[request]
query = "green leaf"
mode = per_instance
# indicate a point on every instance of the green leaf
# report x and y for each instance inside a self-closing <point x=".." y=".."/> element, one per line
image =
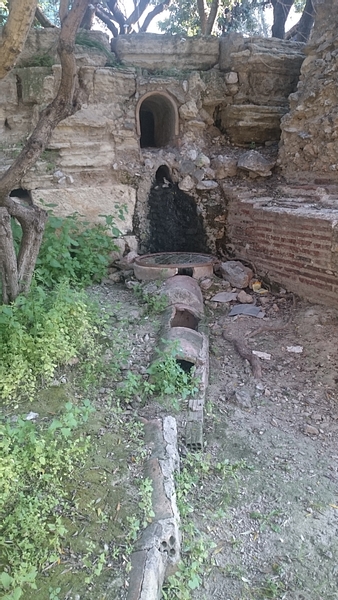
<point x="6" y="580"/>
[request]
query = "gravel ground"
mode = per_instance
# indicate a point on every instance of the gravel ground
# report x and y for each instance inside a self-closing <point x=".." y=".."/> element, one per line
<point x="274" y="531"/>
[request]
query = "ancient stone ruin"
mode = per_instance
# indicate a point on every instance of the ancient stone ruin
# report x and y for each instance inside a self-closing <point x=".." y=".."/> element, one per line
<point x="184" y="132"/>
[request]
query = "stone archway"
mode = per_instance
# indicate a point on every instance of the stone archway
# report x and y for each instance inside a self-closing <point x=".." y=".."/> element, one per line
<point x="157" y="120"/>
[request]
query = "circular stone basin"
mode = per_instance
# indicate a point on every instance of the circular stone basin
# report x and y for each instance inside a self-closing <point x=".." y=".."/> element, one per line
<point x="166" y="264"/>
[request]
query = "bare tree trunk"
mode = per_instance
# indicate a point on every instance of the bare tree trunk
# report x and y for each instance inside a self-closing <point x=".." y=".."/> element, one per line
<point x="212" y="16"/>
<point x="281" y="9"/>
<point x="306" y="21"/>
<point x="9" y="277"/>
<point x="15" y="33"/>
<point x="32" y="218"/>
<point x="202" y="12"/>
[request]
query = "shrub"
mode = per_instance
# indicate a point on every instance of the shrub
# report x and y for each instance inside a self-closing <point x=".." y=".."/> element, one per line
<point x="36" y="463"/>
<point x="39" y="332"/>
<point x="75" y="249"/>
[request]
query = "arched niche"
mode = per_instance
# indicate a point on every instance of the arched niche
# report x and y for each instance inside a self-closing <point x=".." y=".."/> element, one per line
<point x="157" y="120"/>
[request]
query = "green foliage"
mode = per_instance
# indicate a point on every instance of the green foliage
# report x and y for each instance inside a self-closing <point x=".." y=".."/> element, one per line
<point x="39" y="332"/>
<point x="51" y="9"/>
<point x="183" y="19"/>
<point x="41" y="59"/>
<point x="3" y="11"/>
<point x="35" y="462"/>
<point x="246" y="16"/>
<point x="85" y="39"/>
<point x="75" y="249"/>
<point x="299" y="5"/>
<point x="166" y="378"/>
<point x="155" y="303"/>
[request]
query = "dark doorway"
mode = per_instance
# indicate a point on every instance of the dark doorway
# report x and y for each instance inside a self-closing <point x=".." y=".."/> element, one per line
<point x="157" y="120"/>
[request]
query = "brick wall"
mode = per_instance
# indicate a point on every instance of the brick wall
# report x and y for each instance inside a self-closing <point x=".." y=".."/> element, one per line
<point x="290" y="241"/>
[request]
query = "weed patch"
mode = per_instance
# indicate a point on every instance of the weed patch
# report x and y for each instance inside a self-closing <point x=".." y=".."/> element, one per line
<point x="154" y="303"/>
<point x="39" y="332"/>
<point x="75" y="249"/>
<point x="198" y="471"/>
<point x="36" y="459"/>
<point x="165" y="378"/>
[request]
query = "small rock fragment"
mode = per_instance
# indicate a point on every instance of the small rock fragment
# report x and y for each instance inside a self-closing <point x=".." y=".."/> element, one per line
<point x="207" y="185"/>
<point x="244" y="298"/>
<point x="205" y="284"/>
<point x="242" y="397"/>
<point x="115" y="277"/>
<point x="186" y="184"/>
<point x="310" y="430"/>
<point x="224" y="297"/>
<point x="263" y="355"/>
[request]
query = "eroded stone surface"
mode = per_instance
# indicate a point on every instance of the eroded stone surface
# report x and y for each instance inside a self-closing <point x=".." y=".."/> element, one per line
<point x="310" y="131"/>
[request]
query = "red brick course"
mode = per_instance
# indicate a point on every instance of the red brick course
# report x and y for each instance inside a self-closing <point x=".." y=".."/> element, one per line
<point x="295" y="247"/>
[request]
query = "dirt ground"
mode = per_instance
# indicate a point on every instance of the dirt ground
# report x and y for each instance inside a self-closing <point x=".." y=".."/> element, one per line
<point x="278" y="538"/>
<point x="271" y="528"/>
<point x="275" y="530"/>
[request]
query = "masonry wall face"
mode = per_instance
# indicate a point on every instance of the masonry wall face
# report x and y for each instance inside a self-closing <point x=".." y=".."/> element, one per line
<point x="309" y="142"/>
<point x="294" y="245"/>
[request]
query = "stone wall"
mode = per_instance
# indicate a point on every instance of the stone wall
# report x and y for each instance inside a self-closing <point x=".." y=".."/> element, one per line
<point x="309" y="148"/>
<point x="213" y="90"/>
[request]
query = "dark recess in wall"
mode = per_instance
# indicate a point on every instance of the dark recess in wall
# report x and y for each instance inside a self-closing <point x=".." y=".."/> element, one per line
<point x="174" y="225"/>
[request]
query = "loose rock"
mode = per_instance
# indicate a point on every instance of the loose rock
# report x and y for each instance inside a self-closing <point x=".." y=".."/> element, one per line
<point x="254" y="163"/>
<point x="236" y="273"/>
<point x="310" y="430"/>
<point x="244" y="298"/>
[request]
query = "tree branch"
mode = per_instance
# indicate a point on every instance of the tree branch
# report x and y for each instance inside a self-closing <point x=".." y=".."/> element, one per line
<point x="138" y="12"/>
<point x="117" y="14"/>
<point x="105" y="18"/>
<point x="150" y="16"/>
<point x="42" y="19"/>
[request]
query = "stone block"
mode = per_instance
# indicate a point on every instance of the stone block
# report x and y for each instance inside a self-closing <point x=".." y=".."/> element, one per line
<point x="110" y="84"/>
<point x="157" y="51"/>
<point x="229" y="43"/>
<point x="255" y="164"/>
<point x="188" y="110"/>
<point x="8" y="92"/>
<point x="251" y="123"/>
<point x="32" y="84"/>
<point x="92" y="202"/>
